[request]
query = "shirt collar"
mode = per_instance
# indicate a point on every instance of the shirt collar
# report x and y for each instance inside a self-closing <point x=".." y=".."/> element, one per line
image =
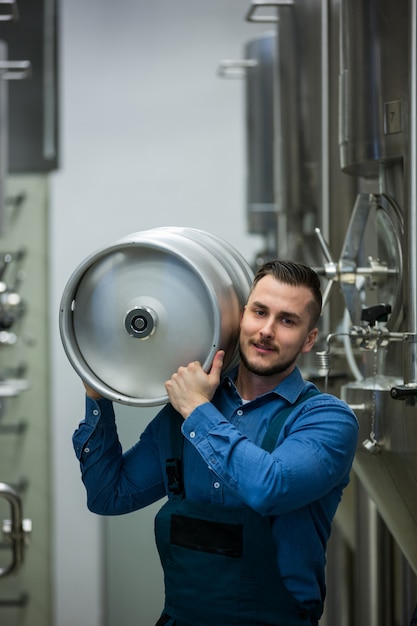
<point x="289" y="389"/>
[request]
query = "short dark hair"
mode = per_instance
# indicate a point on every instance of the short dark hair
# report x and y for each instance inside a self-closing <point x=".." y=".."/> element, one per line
<point x="296" y="274"/>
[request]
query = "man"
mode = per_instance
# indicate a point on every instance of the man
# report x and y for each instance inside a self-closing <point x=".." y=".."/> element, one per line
<point x="253" y="463"/>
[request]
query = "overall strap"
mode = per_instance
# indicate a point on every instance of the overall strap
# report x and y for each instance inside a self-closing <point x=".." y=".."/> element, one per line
<point x="174" y="464"/>
<point x="270" y="440"/>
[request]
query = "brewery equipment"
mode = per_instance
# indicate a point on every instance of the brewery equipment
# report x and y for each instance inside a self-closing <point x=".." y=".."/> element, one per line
<point x="364" y="153"/>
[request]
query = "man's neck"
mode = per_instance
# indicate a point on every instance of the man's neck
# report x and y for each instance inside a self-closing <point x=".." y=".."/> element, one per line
<point x="251" y="386"/>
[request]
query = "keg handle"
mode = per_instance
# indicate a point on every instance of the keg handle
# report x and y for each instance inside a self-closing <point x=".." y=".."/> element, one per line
<point x="257" y="4"/>
<point x="13" y="13"/>
<point x="230" y="68"/>
<point x="16" y="530"/>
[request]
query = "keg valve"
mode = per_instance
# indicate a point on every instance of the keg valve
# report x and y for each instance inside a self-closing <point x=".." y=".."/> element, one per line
<point x="141" y="322"/>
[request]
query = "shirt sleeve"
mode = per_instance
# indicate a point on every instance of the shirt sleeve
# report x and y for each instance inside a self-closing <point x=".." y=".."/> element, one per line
<point x="313" y="457"/>
<point x="116" y="482"/>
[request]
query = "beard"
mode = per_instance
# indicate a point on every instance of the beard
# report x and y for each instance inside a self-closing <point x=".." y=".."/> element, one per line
<point x="266" y="370"/>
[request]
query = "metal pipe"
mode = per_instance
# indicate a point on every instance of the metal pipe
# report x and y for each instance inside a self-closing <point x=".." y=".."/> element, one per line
<point x="325" y="120"/>
<point x="410" y="375"/>
<point x="325" y="138"/>
<point x="4" y="138"/>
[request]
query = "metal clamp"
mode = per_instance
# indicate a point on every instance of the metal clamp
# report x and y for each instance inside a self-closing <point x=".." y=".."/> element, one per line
<point x="257" y="4"/>
<point x="16" y="531"/>
<point x="13" y="13"/>
<point x="229" y="68"/>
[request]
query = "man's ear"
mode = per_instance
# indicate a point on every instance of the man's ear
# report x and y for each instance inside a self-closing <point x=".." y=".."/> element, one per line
<point x="310" y="341"/>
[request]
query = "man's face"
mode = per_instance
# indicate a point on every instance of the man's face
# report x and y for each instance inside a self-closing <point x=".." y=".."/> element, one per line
<point x="275" y="327"/>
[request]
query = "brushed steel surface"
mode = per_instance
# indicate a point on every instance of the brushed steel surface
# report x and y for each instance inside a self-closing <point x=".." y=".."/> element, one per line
<point x="135" y="311"/>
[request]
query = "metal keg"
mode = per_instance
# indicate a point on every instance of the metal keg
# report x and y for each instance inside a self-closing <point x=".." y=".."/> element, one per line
<point x="135" y="311"/>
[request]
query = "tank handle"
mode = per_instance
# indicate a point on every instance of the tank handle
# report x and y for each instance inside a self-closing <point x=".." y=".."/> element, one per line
<point x="16" y="531"/>
<point x="229" y="68"/>
<point x="257" y="4"/>
<point x="15" y="70"/>
<point x="11" y="12"/>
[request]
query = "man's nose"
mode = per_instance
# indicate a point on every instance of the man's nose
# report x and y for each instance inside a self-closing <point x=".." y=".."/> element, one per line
<point x="268" y="328"/>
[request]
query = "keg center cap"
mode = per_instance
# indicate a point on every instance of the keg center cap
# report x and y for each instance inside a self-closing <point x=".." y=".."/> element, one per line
<point x="141" y="322"/>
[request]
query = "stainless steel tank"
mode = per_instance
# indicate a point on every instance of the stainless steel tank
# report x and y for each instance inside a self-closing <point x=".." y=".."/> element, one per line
<point x="261" y="141"/>
<point x="364" y="127"/>
<point x="133" y="312"/>
<point x="373" y="84"/>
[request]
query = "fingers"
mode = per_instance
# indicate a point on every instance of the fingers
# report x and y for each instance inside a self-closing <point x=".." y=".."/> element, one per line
<point x="194" y="368"/>
<point x="216" y="366"/>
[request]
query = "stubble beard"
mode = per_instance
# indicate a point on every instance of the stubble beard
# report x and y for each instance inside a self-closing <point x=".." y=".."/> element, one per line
<point x="271" y="370"/>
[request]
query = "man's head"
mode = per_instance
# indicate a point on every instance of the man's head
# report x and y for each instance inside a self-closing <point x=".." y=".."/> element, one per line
<point x="279" y="319"/>
<point x="298" y="275"/>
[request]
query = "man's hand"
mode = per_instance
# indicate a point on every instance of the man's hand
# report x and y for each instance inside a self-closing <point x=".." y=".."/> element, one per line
<point x="91" y="393"/>
<point x="191" y="386"/>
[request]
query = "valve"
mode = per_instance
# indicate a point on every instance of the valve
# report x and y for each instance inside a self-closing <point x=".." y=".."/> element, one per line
<point x="367" y="336"/>
<point x="376" y="313"/>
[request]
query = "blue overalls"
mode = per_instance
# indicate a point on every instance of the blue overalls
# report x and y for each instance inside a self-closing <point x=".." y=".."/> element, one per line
<point x="220" y="564"/>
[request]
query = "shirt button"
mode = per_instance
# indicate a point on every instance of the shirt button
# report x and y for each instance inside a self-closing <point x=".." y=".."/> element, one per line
<point x="192" y="434"/>
<point x="239" y="412"/>
<point x="95" y="412"/>
<point x="87" y="450"/>
<point x="216" y="485"/>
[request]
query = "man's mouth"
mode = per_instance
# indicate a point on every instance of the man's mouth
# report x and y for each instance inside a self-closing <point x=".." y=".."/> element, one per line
<point x="263" y="347"/>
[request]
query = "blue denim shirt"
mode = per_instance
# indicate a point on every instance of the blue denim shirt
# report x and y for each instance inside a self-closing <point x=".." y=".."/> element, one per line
<point x="299" y="485"/>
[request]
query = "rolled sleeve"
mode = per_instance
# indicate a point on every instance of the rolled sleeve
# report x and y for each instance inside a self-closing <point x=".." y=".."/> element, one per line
<point x="96" y="411"/>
